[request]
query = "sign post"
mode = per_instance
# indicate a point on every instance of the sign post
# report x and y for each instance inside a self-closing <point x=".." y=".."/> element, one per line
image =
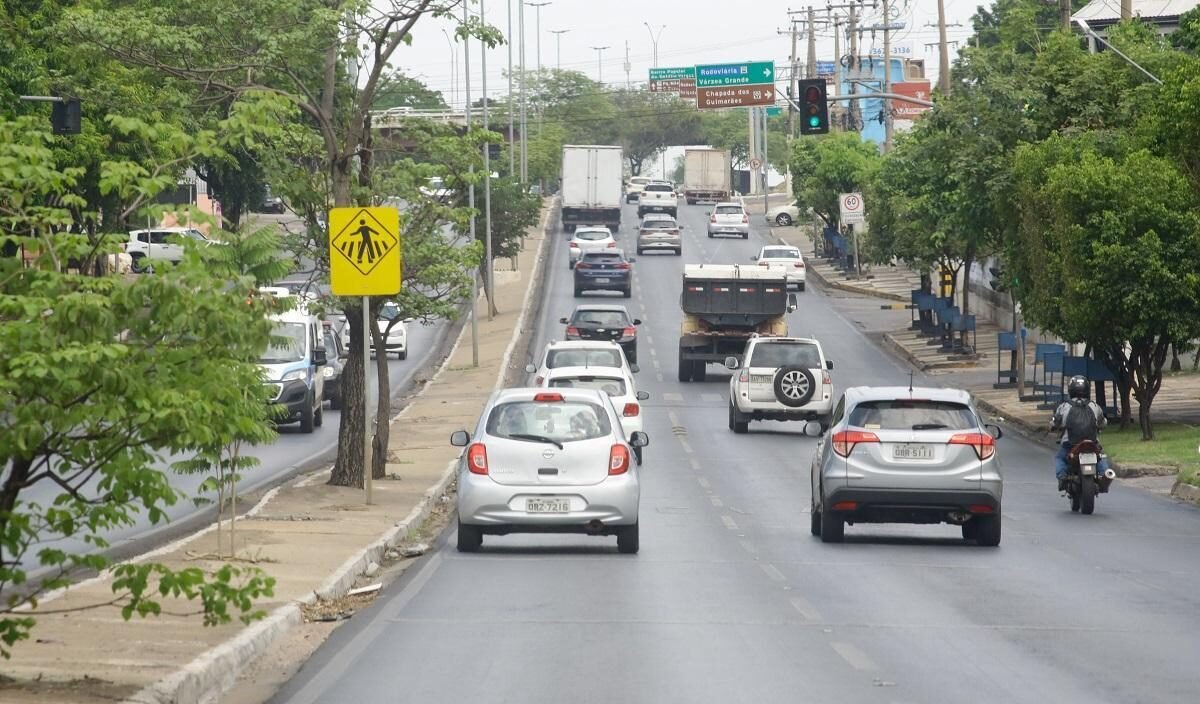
<point x="850" y="206"/>
<point x="748" y="84"/>
<point x="364" y="260"/>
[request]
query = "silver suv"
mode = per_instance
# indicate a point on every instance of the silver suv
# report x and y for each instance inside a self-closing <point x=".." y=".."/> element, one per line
<point x="782" y="378"/>
<point x="907" y="455"/>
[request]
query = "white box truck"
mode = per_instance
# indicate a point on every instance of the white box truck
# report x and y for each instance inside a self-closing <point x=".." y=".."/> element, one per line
<point x="707" y="175"/>
<point x="591" y="186"/>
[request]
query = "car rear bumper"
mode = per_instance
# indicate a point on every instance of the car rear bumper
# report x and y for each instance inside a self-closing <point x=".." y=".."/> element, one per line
<point x="910" y="505"/>
<point x="774" y="410"/>
<point x="728" y="229"/>
<point x="499" y="508"/>
<point x="657" y="207"/>
<point x="614" y="283"/>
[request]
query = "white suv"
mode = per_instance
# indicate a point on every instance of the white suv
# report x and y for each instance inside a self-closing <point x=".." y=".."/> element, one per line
<point x="159" y="244"/>
<point x="783" y="378"/>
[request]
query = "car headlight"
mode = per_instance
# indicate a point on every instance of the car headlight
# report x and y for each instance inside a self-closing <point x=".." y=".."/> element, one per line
<point x="327" y="372"/>
<point x="297" y="375"/>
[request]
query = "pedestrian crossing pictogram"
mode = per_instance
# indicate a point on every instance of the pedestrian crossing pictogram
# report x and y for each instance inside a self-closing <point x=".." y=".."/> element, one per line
<point x="364" y="251"/>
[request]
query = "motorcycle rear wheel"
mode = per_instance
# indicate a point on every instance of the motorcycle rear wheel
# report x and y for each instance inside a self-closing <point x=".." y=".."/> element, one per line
<point x="1074" y="502"/>
<point x="1087" y="495"/>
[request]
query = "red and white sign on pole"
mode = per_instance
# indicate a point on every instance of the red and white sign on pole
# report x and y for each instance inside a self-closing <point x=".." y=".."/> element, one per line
<point x="905" y="110"/>
<point x="852" y="211"/>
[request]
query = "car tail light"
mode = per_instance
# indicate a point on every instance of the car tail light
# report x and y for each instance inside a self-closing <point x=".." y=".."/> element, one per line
<point x="984" y="444"/>
<point x="980" y="508"/>
<point x="745" y="217"/>
<point x="547" y="398"/>
<point x="713" y="218"/>
<point x="845" y="506"/>
<point x="629" y="332"/>
<point x="744" y="376"/>
<point x="618" y="460"/>
<point x="623" y="265"/>
<point x="575" y="245"/>
<point x="799" y="265"/>
<point x="826" y="379"/>
<point x="631" y="410"/>
<point x="572" y="330"/>
<point x="844" y="441"/>
<point x="583" y="265"/>
<point x="477" y="459"/>
<point x="612" y="245"/>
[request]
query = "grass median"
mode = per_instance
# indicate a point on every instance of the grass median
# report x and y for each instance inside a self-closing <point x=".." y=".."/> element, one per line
<point x="1174" y="445"/>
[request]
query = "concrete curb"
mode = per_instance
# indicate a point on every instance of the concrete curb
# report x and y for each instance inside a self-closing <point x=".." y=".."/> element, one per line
<point x="209" y="675"/>
<point x="851" y="288"/>
<point x="1186" y="492"/>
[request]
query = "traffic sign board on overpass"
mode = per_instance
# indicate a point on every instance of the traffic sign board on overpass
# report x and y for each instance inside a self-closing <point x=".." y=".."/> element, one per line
<point x="743" y="74"/>
<point x="734" y="97"/>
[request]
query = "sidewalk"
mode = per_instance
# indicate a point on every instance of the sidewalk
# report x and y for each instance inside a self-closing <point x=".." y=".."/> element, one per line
<point x="894" y="283"/>
<point x="314" y="539"/>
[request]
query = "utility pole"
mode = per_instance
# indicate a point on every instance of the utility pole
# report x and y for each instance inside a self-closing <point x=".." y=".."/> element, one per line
<point x="524" y="100"/>
<point x="852" y="108"/>
<point x="470" y="199"/>
<point x="766" y="163"/>
<point x="1126" y="10"/>
<point x="558" y="47"/>
<point x="753" y="150"/>
<point x="538" y="72"/>
<point x="792" y="88"/>
<point x="1064" y="13"/>
<point x="887" y="74"/>
<point x="600" y="64"/>
<point x="943" y="51"/>
<point x="512" y="144"/>
<point x="811" y="71"/>
<point x="487" y="182"/>
<point x="627" y="84"/>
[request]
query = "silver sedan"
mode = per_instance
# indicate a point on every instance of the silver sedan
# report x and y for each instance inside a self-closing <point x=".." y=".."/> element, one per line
<point x="907" y="455"/>
<point x="548" y="461"/>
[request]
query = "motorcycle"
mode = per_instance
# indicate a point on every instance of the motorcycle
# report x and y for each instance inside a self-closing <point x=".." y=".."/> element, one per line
<point x="1083" y="483"/>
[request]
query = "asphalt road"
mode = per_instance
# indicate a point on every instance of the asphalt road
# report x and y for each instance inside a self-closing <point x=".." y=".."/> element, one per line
<point x="731" y="599"/>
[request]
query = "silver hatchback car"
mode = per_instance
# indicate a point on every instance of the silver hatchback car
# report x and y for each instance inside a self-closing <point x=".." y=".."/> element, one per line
<point x="905" y="455"/>
<point x="548" y="461"/>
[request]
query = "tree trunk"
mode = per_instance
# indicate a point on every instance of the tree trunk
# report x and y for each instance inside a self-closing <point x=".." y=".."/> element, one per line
<point x="348" y="468"/>
<point x="966" y="284"/>
<point x="1176" y="365"/>
<point x="483" y="275"/>
<point x="1145" y="422"/>
<point x="1147" y="357"/>
<point x="1116" y="361"/>
<point x="383" y="408"/>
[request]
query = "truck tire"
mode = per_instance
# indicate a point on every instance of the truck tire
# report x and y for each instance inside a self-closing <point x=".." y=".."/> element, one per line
<point x="685" y="368"/>
<point x="699" y="370"/>
<point x="691" y="201"/>
<point x="794" y="386"/>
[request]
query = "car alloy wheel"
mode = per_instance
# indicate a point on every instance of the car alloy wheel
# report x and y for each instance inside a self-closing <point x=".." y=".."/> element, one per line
<point x="794" y="386"/>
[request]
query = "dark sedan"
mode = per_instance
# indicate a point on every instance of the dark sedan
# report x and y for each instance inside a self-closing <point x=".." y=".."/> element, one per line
<point x="609" y="270"/>
<point x="336" y="354"/>
<point x="604" y="322"/>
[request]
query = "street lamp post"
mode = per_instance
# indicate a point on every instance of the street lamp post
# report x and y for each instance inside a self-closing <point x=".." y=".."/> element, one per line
<point x="512" y="145"/>
<point x="453" y="69"/>
<point x="558" y="46"/>
<point x="524" y="101"/>
<point x="538" y="33"/>
<point x="654" y="39"/>
<point x="599" y="63"/>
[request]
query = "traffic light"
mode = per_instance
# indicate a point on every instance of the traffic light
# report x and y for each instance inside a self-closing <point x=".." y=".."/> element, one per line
<point x="814" y="110"/>
<point x="65" y="117"/>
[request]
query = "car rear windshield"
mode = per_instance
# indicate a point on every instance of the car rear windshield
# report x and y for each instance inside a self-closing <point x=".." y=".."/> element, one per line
<point x="609" y="385"/>
<point x="658" y="224"/>
<point x="592" y="235"/>
<point x="560" y="421"/>
<point x="786" y="354"/>
<point x="780" y="253"/>
<point x="612" y="318"/>
<point x="658" y="187"/>
<point x="912" y="414"/>
<point x="728" y="210"/>
<point x="602" y="258"/>
<point x="583" y="358"/>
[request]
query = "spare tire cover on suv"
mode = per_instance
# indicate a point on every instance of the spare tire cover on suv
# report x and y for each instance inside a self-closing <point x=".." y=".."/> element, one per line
<point x="794" y="386"/>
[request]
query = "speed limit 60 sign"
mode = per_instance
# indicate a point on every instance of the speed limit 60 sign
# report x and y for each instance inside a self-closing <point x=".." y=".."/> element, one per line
<point x="852" y="211"/>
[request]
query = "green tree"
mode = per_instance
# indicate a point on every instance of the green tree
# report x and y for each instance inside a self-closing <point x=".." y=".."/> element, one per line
<point x="825" y="167"/>
<point x="1106" y="254"/>
<point x="100" y="374"/>
<point x="397" y="90"/>
<point x="651" y="122"/>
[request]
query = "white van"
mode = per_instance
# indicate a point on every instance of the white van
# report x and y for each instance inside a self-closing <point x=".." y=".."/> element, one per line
<point x="292" y="364"/>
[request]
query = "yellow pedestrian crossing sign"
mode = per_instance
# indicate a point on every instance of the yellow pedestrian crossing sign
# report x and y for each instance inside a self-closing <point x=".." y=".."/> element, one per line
<point x="364" y="251"/>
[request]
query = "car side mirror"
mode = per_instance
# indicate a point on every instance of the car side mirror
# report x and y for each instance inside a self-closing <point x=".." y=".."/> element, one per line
<point x="637" y="321"/>
<point x="829" y="364"/>
<point x="564" y="321"/>
<point x="732" y="363"/>
<point x="634" y="368"/>
<point x="683" y="227"/>
<point x="994" y="431"/>
<point x="460" y="438"/>
<point x="793" y="304"/>
<point x="529" y="369"/>
<point x="643" y="395"/>
<point x="320" y="358"/>
<point x="639" y="439"/>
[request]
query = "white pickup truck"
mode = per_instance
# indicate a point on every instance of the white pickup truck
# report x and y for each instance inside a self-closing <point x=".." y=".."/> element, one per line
<point x="658" y="197"/>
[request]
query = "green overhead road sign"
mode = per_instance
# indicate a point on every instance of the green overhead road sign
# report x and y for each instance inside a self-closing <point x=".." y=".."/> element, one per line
<point x="729" y="75"/>
<point x="774" y="112"/>
<point x="672" y="74"/>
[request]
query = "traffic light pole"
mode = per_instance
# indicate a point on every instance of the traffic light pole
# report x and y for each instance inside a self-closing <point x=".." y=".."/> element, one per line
<point x="867" y="96"/>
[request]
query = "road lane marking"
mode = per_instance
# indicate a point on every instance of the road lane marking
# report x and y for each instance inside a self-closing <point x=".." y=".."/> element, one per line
<point x="805" y="609"/>
<point x="659" y="376"/>
<point x="677" y="398"/>
<point x="774" y="573"/>
<point x="674" y="418"/>
<point x="716" y="501"/>
<point x="711" y="398"/>
<point x="855" y="657"/>
<point x="695" y="463"/>
<point x="748" y="547"/>
<point x="703" y="482"/>
<point x="729" y="522"/>
<point x="686" y="446"/>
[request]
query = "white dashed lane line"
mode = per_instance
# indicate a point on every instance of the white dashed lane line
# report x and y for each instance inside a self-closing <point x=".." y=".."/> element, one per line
<point x="774" y="573"/>
<point x="729" y="522"/>
<point x="851" y="654"/>
<point x="703" y="482"/>
<point x="716" y="501"/>
<point x="805" y="609"/>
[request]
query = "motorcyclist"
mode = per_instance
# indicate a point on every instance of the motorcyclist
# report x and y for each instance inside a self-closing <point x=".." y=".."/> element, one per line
<point x="1078" y="396"/>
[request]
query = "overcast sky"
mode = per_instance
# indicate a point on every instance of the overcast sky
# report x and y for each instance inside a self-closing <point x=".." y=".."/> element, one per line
<point x="697" y="31"/>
